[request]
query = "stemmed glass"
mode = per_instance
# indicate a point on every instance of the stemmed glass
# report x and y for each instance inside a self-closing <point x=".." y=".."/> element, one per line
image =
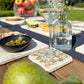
<point x="48" y="10"/>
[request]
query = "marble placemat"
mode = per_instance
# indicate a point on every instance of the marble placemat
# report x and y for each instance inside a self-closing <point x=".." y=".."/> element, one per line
<point x="35" y="45"/>
<point x="78" y="28"/>
<point x="78" y="24"/>
<point x="80" y="49"/>
<point x="75" y="30"/>
<point x="20" y="22"/>
<point x="39" y="30"/>
<point x="12" y="22"/>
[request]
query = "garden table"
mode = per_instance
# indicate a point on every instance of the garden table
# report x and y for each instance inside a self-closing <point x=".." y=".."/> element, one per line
<point x="74" y="68"/>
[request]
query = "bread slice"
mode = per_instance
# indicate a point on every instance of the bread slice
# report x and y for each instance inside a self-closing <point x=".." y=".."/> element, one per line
<point x="14" y="18"/>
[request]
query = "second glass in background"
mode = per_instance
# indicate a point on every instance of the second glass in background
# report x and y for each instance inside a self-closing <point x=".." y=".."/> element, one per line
<point x="62" y="33"/>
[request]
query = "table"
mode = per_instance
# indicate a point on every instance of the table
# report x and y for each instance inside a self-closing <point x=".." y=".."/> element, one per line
<point x="74" y="68"/>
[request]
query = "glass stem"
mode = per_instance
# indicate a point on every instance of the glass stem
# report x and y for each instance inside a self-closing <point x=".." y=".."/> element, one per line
<point x="50" y="37"/>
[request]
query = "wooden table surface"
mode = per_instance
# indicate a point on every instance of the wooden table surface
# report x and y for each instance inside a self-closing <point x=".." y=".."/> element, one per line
<point x="75" y="68"/>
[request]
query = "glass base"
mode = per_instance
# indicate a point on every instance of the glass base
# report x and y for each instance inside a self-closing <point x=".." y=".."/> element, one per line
<point x="48" y="56"/>
<point x="50" y="53"/>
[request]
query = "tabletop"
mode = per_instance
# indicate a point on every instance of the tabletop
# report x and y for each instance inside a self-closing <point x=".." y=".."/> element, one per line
<point x="74" y="68"/>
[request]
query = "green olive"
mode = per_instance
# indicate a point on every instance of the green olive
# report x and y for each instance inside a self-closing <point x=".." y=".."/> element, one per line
<point x="12" y="42"/>
<point x="23" y="41"/>
<point x="25" y="34"/>
<point x="7" y="43"/>
<point x="16" y="42"/>
<point x="20" y="39"/>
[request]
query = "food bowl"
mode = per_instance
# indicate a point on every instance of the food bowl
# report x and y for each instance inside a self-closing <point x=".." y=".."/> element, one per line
<point x="25" y="8"/>
<point x="15" y="47"/>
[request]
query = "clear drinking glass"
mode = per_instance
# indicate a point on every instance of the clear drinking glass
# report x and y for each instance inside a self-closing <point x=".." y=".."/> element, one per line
<point x="49" y="11"/>
<point x="62" y="34"/>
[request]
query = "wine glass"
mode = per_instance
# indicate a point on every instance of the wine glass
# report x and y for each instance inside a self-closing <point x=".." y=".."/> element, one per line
<point x="49" y="11"/>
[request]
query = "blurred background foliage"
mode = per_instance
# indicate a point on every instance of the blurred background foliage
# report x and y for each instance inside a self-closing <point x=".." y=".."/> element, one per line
<point x="6" y="4"/>
<point x="80" y="5"/>
<point x="6" y="9"/>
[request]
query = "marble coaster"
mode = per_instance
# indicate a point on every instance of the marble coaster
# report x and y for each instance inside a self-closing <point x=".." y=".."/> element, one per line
<point x="50" y="63"/>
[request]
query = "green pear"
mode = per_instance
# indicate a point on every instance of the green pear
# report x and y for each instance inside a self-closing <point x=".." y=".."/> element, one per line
<point x="26" y="72"/>
<point x="83" y="82"/>
<point x="71" y="80"/>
